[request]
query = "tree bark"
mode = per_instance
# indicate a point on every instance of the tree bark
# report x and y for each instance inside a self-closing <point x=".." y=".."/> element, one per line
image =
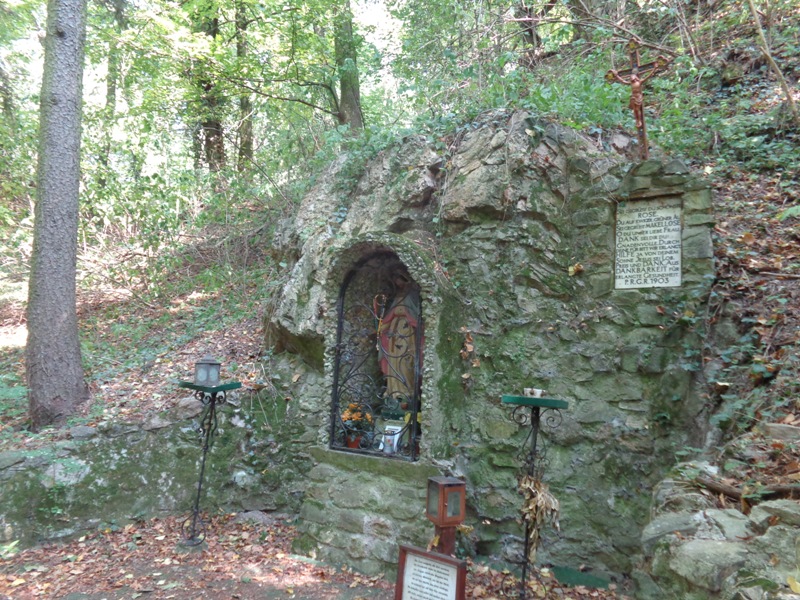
<point x="209" y="134"/>
<point x="53" y="354"/>
<point x="7" y="108"/>
<point x="112" y="78"/>
<point x="349" y="86"/>
<point x="245" y="154"/>
<point x="211" y="124"/>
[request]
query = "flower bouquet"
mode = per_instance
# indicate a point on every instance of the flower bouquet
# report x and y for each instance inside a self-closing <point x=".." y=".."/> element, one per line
<point x="356" y="421"/>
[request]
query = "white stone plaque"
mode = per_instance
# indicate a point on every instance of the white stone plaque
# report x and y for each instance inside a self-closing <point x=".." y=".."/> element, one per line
<point x="648" y="252"/>
<point x="429" y="576"/>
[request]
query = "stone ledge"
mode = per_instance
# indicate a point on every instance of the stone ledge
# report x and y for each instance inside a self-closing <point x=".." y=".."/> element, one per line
<point x="352" y="462"/>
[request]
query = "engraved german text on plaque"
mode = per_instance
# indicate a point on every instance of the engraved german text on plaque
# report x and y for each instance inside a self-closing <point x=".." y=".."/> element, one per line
<point x="648" y="252"/>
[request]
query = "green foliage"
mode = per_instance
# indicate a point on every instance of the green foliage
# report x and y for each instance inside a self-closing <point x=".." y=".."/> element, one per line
<point x="18" y="130"/>
<point x="8" y="550"/>
<point x="13" y="399"/>
<point x="207" y="288"/>
<point x="687" y="453"/>
<point x="13" y="393"/>
<point x="17" y="18"/>
<point x="54" y="501"/>
<point x="358" y="151"/>
<point x="755" y="141"/>
<point x="581" y="98"/>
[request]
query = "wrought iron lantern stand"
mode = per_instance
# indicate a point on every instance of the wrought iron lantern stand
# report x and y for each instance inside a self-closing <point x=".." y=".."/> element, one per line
<point x="528" y="411"/>
<point x="193" y="529"/>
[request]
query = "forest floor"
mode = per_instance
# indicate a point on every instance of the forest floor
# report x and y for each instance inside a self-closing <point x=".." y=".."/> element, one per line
<point x="244" y="558"/>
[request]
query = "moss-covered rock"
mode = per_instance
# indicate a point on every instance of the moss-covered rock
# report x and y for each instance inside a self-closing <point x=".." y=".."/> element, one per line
<point x="126" y="472"/>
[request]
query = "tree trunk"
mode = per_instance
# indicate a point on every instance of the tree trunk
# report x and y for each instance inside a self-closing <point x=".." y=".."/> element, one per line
<point x="7" y="108"/>
<point x="349" y="87"/>
<point x="112" y="77"/>
<point x="209" y="135"/>
<point x="213" y="133"/>
<point x="53" y="353"/>
<point x="245" y="154"/>
<point x="211" y="124"/>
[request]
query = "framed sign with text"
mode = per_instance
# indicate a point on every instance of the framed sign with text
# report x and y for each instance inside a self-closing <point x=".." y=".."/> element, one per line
<point x="648" y="244"/>
<point x="423" y="575"/>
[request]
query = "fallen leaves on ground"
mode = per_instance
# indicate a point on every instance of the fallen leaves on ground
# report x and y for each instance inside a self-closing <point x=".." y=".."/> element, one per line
<point x="146" y="559"/>
<point x="244" y="559"/>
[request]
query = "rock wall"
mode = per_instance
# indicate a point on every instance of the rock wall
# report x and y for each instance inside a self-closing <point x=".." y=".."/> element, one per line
<point x="511" y="238"/>
<point x="694" y="550"/>
<point x="114" y="473"/>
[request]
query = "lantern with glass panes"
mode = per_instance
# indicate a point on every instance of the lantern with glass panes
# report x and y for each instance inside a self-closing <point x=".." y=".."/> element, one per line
<point x="446" y="507"/>
<point x="206" y="372"/>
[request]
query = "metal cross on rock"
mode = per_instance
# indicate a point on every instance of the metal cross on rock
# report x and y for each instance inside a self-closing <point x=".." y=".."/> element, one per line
<point x="636" y="77"/>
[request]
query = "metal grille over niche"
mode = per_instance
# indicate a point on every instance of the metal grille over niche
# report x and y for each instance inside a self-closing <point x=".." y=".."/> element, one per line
<point x="378" y="361"/>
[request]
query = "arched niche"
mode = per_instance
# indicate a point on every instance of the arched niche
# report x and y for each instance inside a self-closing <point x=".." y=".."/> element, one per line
<point x="377" y="360"/>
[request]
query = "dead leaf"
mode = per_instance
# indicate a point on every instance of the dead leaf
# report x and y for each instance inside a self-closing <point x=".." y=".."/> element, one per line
<point x="793" y="584"/>
<point x="575" y="269"/>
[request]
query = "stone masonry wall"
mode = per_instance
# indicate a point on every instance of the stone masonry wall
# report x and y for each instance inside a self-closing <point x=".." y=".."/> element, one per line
<point x="511" y="236"/>
<point x="115" y="473"/>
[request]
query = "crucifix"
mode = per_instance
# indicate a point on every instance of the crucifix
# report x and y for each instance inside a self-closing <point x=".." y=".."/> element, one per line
<point x="636" y="77"/>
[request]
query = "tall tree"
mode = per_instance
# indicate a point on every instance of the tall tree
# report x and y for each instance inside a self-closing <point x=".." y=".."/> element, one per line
<point x="53" y="353"/>
<point x="206" y="19"/>
<point x="345" y="52"/>
<point x="245" y="126"/>
<point x="6" y="96"/>
<point x="117" y="7"/>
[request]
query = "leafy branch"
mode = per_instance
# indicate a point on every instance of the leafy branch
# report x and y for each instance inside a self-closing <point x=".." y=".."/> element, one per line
<point x="764" y="47"/>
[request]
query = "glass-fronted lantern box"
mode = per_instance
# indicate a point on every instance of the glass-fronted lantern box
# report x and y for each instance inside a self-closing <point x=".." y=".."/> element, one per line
<point x="446" y="501"/>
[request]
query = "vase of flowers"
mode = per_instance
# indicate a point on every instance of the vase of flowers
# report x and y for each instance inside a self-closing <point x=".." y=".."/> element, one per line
<point x="357" y="421"/>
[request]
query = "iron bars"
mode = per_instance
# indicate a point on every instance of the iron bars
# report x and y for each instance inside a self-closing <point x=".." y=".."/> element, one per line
<point x="375" y="407"/>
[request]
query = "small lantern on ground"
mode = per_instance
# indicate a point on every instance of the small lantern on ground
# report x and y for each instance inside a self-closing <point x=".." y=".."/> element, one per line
<point x="446" y="507"/>
<point x="206" y="372"/>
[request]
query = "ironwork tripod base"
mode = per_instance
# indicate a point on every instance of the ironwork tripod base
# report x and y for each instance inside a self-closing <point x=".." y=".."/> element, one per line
<point x="194" y="528"/>
<point x="528" y="412"/>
